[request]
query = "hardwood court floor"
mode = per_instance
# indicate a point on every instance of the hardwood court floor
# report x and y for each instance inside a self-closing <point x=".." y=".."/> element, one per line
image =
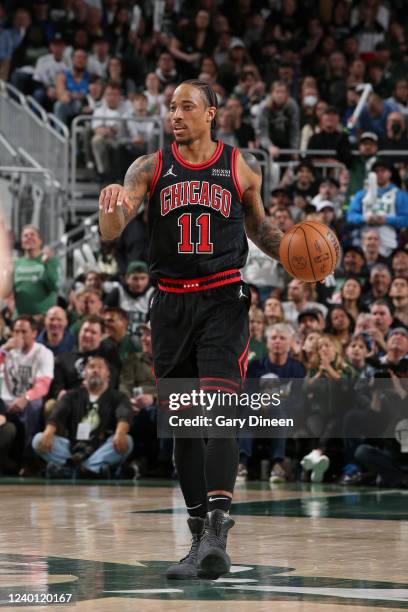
<point x="295" y="548"/>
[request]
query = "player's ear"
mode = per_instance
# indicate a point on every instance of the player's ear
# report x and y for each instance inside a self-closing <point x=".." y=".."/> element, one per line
<point x="211" y="112"/>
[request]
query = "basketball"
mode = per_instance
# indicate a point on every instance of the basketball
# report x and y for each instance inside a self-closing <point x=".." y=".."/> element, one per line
<point x="309" y="251"/>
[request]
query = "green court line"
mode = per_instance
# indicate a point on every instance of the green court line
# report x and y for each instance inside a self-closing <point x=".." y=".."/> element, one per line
<point x="365" y="505"/>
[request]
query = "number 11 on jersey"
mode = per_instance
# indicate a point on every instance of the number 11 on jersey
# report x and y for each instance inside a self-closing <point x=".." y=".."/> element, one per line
<point x="203" y="245"/>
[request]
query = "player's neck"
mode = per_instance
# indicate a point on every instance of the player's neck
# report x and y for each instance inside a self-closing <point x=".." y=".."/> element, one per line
<point x="198" y="151"/>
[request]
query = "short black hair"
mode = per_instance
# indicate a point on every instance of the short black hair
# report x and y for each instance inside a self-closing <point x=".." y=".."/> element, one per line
<point x="209" y="96"/>
<point x="30" y="320"/>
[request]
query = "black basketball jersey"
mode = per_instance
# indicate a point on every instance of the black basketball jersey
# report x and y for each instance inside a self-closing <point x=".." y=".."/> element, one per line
<point x="195" y="215"/>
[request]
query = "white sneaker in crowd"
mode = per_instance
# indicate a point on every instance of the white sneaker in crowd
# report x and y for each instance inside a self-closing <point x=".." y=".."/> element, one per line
<point x="317" y="463"/>
<point x="278" y="474"/>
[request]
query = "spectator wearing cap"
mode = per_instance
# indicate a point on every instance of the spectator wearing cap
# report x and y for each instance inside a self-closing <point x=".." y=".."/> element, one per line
<point x="231" y="69"/>
<point x="304" y="188"/>
<point x="278" y="121"/>
<point x="399" y="262"/>
<point x="297" y="302"/>
<point x="353" y="263"/>
<point x="399" y="296"/>
<point x="374" y="115"/>
<point x="116" y="327"/>
<point x="370" y="243"/>
<point x="331" y="137"/>
<point x="310" y="319"/>
<point x="133" y="295"/>
<point x="379" y="284"/>
<point x="381" y="205"/>
<point x="325" y="210"/>
<point x="362" y="163"/>
<point x="46" y="70"/>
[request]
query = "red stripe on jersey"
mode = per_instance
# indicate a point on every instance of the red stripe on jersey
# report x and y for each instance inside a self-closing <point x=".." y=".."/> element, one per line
<point x="218" y="150"/>
<point x="182" y="281"/>
<point x="159" y="163"/>
<point x="234" y="173"/>
<point x="234" y="279"/>
<point x="243" y="360"/>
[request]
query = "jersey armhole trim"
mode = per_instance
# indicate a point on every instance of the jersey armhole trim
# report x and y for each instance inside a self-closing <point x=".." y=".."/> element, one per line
<point x="157" y="172"/>
<point x="234" y="172"/>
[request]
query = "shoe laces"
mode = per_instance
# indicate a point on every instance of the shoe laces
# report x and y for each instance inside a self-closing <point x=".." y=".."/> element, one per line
<point x="192" y="553"/>
<point x="215" y="535"/>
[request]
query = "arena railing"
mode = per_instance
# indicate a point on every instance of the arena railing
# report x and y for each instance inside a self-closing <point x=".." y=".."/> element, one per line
<point x="82" y="124"/>
<point x="36" y="198"/>
<point x="295" y="156"/>
<point x="24" y="123"/>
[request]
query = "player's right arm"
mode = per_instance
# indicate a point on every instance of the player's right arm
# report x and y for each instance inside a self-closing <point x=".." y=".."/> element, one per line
<point x="118" y="204"/>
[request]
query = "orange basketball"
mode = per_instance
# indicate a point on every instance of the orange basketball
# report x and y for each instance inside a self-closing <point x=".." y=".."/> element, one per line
<point x="309" y="251"/>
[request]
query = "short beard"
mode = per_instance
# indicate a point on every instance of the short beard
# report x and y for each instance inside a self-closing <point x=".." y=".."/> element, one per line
<point x="95" y="383"/>
<point x="186" y="142"/>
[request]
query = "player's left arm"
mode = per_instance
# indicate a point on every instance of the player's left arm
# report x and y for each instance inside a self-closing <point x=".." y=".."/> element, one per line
<point x="259" y="227"/>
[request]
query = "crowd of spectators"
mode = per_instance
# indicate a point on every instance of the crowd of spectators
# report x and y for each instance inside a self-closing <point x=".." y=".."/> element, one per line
<point x="288" y="77"/>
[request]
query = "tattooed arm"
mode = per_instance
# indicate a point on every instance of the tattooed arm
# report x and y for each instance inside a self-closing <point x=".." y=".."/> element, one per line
<point x="119" y="204"/>
<point x="259" y="227"/>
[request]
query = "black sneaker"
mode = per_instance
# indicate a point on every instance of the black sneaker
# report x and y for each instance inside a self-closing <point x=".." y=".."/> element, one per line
<point x="187" y="567"/>
<point x="213" y="560"/>
<point x="54" y="470"/>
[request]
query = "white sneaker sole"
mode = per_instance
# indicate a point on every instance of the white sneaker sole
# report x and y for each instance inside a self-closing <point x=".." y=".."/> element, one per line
<point x="319" y="469"/>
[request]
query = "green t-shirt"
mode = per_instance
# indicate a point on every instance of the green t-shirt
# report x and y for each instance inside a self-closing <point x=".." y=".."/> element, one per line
<point x="257" y="350"/>
<point x="36" y="284"/>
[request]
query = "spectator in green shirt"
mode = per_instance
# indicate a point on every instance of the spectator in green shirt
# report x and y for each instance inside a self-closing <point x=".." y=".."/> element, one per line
<point x="36" y="275"/>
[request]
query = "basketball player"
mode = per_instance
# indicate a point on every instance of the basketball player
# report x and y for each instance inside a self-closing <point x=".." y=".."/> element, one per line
<point x="204" y="200"/>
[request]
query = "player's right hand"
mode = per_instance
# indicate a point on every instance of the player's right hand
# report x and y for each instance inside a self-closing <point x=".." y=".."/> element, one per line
<point x="111" y="197"/>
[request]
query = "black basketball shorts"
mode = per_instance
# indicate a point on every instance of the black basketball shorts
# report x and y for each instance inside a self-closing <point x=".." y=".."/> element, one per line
<point x="201" y="334"/>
